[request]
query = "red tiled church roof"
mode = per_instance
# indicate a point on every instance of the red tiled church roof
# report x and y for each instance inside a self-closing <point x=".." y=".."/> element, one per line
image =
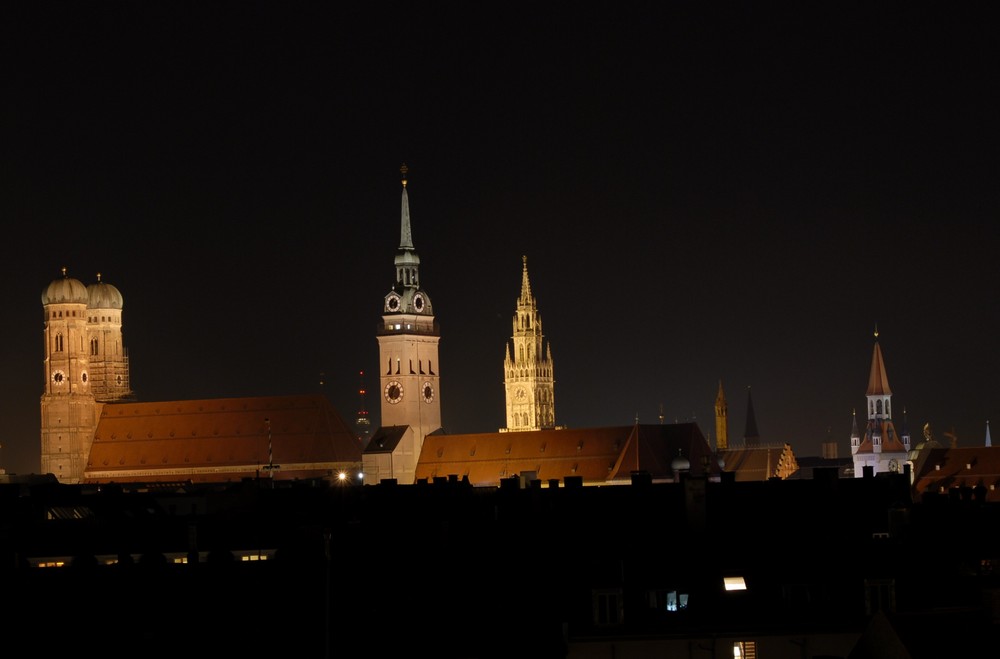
<point x="221" y="439"/>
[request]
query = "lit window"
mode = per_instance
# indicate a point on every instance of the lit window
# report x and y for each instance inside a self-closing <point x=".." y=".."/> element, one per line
<point x="734" y="583"/>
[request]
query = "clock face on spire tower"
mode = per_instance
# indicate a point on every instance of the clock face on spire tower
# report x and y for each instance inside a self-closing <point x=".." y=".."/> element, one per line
<point x="408" y="352"/>
<point x="394" y="392"/>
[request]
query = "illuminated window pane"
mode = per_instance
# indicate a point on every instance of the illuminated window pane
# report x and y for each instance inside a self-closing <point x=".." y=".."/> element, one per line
<point x="734" y="583"/>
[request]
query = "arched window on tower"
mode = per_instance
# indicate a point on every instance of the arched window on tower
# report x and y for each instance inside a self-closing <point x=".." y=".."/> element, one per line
<point x="59" y="343"/>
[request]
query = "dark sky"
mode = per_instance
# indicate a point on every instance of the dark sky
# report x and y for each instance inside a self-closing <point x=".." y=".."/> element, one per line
<point x="704" y="191"/>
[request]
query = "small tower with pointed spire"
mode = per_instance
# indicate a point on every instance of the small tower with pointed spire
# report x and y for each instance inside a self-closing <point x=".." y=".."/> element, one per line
<point x="721" y="420"/>
<point x="880" y="448"/>
<point x="527" y="365"/>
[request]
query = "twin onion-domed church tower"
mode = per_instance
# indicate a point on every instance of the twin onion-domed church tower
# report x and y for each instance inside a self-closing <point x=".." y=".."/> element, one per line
<point x="86" y="365"/>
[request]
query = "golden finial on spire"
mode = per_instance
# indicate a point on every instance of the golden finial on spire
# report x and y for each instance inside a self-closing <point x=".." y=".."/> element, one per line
<point x="403" y="170"/>
<point x="876" y="330"/>
<point x="64" y="271"/>
<point x="98" y="278"/>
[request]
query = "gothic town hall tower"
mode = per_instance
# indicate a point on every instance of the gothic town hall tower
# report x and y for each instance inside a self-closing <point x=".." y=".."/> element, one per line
<point x="527" y="367"/>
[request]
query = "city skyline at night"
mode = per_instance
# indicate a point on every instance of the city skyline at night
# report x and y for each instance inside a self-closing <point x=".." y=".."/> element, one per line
<point x="732" y="194"/>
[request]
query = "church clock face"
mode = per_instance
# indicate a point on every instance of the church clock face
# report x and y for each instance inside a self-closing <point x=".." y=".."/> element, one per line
<point x="418" y="302"/>
<point x="394" y="392"/>
<point x="58" y="377"/>
<point x="519" y="394"/>
<point x="428" y="392"/>
<point x="392" y="303"/>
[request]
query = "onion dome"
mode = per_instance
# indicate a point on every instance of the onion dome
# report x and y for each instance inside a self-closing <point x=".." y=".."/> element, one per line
<point x="65" y="291"/>
<point x="103" y="296"/>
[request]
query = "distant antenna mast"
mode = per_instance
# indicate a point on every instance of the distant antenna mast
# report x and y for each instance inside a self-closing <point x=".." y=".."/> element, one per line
<point x="363" y="423"/>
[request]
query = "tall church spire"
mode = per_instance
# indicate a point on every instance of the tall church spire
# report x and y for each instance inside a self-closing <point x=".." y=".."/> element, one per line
<point x="407" y="262"/>
<point x="409" y="372"/>
<point x="405" y="235"/>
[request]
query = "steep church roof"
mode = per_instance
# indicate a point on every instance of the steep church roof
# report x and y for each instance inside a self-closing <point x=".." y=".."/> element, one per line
<point x="878" y="381"/>
<point x="223" y="439"/>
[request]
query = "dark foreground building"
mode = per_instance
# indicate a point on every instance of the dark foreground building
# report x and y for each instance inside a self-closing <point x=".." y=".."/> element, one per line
<point x="825" y="567"/>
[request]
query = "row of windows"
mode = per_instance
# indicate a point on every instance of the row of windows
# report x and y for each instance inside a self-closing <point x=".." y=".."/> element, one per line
<point x="420" y="366"/>
<point x="90" y="319"/>
<point x="58" y="345"/>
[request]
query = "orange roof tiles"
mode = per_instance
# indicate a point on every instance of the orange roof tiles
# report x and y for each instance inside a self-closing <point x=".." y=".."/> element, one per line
<point x="221" y="439"/>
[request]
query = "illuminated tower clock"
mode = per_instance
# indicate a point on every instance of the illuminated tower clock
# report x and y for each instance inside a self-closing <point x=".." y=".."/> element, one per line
<point x="409" y="372"/>
<point x="527" y="367"/>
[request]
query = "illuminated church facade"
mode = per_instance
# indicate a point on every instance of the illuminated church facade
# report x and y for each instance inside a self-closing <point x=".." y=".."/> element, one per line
<point x="85" y="366"/>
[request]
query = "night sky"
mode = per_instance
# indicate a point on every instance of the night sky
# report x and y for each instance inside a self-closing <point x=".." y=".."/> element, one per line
<point x="703" y="191"/>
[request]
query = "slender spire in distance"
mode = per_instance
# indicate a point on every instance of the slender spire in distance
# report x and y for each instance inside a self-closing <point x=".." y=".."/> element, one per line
<point x="721" y="420"/>
<point x="750" y="436"/>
